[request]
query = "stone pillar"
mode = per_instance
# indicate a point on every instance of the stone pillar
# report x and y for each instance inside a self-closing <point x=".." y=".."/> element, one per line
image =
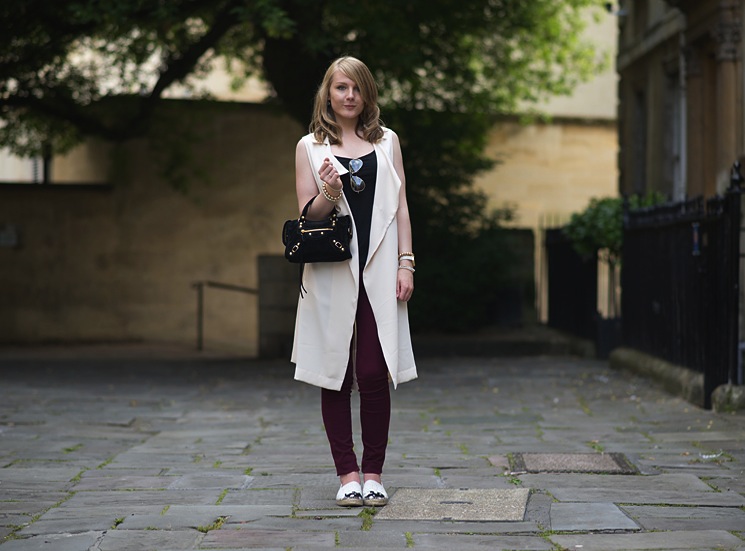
<point x="729" y="110"/>
<point x="695" y="139"/>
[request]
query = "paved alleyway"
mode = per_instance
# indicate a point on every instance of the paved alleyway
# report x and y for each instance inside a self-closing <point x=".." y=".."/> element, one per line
<point x="485" y="454"/>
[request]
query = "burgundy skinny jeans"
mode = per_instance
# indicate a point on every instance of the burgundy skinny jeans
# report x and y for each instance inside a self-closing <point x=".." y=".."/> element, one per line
<point x="375" y="401"/>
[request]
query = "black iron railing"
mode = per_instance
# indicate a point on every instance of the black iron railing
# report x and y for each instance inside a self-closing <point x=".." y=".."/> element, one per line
<point x="680" y="279"/>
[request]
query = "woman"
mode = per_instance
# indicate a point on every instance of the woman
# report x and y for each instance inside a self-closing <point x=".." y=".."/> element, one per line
<point x="352" y="325"/>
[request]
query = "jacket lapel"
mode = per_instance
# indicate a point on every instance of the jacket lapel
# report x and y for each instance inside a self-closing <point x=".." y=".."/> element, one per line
<point x="387" y="187"/>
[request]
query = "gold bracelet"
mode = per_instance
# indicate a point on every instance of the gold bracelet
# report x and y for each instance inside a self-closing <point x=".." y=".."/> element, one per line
<point x="328" y="196"/>
<point x="407" y="256"/>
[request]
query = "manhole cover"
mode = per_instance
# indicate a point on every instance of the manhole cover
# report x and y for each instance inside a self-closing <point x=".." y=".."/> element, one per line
<point x="456" y="504"/>
<point x="612" y="463"/>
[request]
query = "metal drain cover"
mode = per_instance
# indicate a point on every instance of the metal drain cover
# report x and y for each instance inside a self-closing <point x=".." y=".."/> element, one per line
<point x="611" y="463"/>
<point x="456" y="504"/>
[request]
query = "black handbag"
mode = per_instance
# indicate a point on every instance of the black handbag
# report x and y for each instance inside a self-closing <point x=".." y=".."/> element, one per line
<point x="324" y="240"/>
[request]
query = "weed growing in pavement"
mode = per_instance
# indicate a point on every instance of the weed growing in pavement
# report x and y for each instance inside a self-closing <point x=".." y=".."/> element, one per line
<point x="165" y="510"/>
<point x="117" y="522"/>
<point x="367" y="515"/>
<point x="75" y="479"/>
<point x="72" y="449"/>
<point x="105" y="463"/>
<point x="596" y="445"/>
<point x="222" y="496"/>
<point x="409" y="539"/>
<point x="583" y="404"/>
<point x="514" y="480"/>
<point x="214" y="526"/>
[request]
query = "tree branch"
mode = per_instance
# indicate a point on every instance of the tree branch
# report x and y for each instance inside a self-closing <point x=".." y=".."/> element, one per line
<point x="180" y="67"/>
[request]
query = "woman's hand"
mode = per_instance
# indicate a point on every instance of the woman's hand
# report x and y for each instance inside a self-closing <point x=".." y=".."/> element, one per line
<point x="404" y="285"/>
<point x="328" y="174"/>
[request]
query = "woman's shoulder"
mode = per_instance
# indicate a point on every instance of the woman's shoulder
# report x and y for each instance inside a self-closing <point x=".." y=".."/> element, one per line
<point x="310" y="139"/>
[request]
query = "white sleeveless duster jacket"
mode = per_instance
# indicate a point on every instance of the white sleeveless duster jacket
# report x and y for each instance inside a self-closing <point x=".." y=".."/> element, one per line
<point x="324" y="326"/>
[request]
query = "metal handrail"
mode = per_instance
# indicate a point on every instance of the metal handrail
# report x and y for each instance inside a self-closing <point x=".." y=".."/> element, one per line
<point x="199" y="286"/>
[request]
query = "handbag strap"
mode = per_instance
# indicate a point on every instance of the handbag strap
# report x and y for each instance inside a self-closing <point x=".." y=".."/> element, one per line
<point x="302" y="217"/>
<point x="333" y="214"/>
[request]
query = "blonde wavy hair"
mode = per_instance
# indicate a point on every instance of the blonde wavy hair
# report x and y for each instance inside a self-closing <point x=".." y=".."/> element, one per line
<point x="323" y="124"/>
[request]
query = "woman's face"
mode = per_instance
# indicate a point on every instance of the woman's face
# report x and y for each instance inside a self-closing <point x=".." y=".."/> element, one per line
<point x="345" y="97"/>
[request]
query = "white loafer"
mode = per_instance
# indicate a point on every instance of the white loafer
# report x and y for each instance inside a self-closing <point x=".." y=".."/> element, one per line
<point x="374" y="495"/>
<point x="349" y="495"/>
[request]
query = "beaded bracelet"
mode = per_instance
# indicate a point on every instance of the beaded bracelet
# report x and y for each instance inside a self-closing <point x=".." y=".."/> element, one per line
<point x="330" y="197"/>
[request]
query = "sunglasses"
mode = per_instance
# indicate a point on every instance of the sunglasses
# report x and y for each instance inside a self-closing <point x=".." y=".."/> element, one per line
<point x="357" y="183"/>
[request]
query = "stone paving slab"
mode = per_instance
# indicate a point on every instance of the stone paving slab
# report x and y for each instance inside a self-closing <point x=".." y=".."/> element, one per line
<point x="674" y="489"/>
<point x="687" y="518"/>
<point x="589" y="517"/>
<point x="261" y="496"/>
<point x="247" y="538"/>
<point x="59" y="542"/>
<point x="457" y="527"/>
<point x="702" y="540"/>
<point x="148" y="540"/>
<point x="211" y="480"/>
<point x="20" y="502"/>
<point x="159" y="451"/>
<point x="456" y="504"/>
<point x="613" y="463"/>
<point x="55" y="478"/>
<point x="464" y="543"/>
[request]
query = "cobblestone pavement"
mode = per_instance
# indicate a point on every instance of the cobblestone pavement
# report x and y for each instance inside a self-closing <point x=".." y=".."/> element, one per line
<point x="132" y="454"/>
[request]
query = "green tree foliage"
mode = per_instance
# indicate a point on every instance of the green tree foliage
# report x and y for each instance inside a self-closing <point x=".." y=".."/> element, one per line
<point x="459" y="244"/>
<point x="445" y="68"/>
<point x="61" y="61"/>
<point x="599" y="228"/>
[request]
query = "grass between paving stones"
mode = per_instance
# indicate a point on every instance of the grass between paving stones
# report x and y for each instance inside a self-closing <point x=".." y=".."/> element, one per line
<point x="367" y="514"/>
<point x="596" y="445"/>
<point x="13" y="535"/>
<point x="583" y="404"/>
<point x="77" y="478"/>
<point x="165" y="510"/>
<point x="107" y="462"/>
<point x="72" y="449"/>
<point x="221" y="496"/>
<point x="409" y="539"/>
<point x="117" y="522"/>
<point x="216" y="525"/>
<point x="248" y="471"/>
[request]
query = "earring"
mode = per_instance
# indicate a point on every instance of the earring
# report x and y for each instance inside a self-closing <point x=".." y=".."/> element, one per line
<point x="328" y="103"/>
